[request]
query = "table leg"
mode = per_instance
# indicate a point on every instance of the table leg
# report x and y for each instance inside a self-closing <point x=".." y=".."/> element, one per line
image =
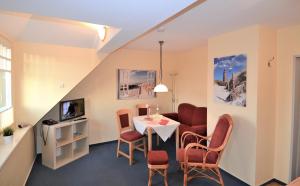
<point x="177" y="141"/>
<point x="149" y="139"/>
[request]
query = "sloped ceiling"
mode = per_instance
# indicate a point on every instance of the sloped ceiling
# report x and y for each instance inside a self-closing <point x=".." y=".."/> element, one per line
<point x="28" y="28"/>
<point x="53" y="22"/>
<point x="214" y="17"/>
<point x="59" y="22"/>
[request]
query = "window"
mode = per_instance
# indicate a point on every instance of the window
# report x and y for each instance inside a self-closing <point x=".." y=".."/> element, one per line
<point x="5" y="77"/>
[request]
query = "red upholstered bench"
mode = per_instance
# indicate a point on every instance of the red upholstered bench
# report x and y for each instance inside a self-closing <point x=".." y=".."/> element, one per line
<point x="192" y="119"/>
<point x="158" y="162"/>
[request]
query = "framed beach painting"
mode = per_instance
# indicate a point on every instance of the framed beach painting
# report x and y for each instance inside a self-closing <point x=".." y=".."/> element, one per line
<point x="230" y="80"/>
<point x="136" y="84"/>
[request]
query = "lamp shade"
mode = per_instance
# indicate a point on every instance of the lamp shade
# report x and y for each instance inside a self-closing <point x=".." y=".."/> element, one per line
<point x="160" y="88"/>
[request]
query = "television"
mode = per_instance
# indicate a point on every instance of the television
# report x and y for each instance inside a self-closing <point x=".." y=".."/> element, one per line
<point x="71" y="109"/>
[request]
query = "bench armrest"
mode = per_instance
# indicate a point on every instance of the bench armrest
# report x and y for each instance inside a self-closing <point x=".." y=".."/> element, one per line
<point x="171" y="115"/>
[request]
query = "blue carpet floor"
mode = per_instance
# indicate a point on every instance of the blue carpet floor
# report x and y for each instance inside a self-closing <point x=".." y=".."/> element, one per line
<point x="102" y="167"/>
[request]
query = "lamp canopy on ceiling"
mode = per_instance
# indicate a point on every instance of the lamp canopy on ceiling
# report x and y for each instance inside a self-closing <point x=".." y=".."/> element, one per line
<point x="160" y="87"/>
<point x="102" y="32"/>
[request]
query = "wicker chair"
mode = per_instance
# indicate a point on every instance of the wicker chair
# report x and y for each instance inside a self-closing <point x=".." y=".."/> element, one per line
<point x="198" y="160"/>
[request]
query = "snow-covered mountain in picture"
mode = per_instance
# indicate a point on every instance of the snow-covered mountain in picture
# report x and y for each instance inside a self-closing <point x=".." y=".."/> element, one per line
<point x="230" y="79"/>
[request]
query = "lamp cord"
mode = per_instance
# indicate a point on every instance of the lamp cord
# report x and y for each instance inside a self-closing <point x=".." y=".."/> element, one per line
<point x="43" y="134"/>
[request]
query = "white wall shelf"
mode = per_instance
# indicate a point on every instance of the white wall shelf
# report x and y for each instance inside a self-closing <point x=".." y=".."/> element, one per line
<point x="66" y="142"/>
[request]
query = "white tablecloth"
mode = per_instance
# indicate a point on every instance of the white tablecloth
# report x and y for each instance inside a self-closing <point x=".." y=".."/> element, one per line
<point x="141" y="123"/>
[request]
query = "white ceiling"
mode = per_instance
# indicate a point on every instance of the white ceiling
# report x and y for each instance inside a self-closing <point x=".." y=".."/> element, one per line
<point x="28" y="28"/>
<point x="56" y="22"/>
<point x="214" y="17"/>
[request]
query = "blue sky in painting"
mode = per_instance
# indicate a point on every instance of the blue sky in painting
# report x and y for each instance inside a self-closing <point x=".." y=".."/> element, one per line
<point x="233" y="64"/>
<point x="139" y="76"/>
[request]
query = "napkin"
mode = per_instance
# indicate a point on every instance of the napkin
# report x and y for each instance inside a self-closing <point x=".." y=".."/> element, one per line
<point x="163" y="122"/>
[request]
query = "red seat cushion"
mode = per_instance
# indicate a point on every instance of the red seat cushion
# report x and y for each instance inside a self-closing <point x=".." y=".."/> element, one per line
<point x="195" y="156"/>
<point x="158" y="157"/>
<point x="183" y="128"/>
<point x="131" y="136"/>
<point x="198" y="129"/>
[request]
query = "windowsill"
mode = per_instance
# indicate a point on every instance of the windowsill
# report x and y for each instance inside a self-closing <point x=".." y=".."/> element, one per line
<point x="7" y="149"/>
<point x="5" y="109"/>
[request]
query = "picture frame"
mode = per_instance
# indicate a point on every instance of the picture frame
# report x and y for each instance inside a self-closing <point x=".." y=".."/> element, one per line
<point x="136" y="84"/>
<point x="230" y="80"/>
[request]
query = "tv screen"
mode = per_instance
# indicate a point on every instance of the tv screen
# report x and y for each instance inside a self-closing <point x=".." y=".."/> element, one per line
<point x="71" y="109"/>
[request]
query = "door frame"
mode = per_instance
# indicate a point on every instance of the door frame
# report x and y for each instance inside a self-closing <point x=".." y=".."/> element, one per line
<point x="295" y="58"/>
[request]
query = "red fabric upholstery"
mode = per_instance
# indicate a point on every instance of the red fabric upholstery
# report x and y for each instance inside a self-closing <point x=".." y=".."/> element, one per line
<point x="199" y="116"/>
<point x="190" y="116"/>
<point x="219" y="134"/>
<point x="195" y="156"/>
<point x="124" y="120"/>
<point x="185" y="113"/>
<point x="172" y="115"/>
<point x="143" y="111"/>
<point x="199" y="129"/>
<point x="218" y="137"/>
<point x="131" y="136"/>
<point x="159" y="157"/>
<point x="183" y="128"/>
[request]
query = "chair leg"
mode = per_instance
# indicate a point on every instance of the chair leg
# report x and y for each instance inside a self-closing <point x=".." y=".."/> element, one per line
<point x="150" y="178"/>
<point x="130" y="153"/>
<point x="118" y="148"/>
<point x="185" y="176"/>
<point x="145" y="147"/>
<point x="166" y="177"/>
<point x="157" y="139"/>
<point x="220" y="176"/>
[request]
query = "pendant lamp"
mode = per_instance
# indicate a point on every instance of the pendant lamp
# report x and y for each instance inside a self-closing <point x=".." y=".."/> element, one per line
<point x="160" y="87"/>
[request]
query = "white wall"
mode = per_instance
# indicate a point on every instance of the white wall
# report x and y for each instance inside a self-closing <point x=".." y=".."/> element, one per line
<point x="248" y="155"/>
<point x="265" y="142"/>
<point x="99" y="89"/>
<point x="44" y="74"/>
<point x="239" y="156"/>
<point x="191" y="81"/>
<point x="17" y="167"/>
<point x="288" y="46"/>
<point x="7" y="117"/>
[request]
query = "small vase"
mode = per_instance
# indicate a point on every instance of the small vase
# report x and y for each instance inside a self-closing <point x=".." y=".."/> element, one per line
<point x="8" y="139"/>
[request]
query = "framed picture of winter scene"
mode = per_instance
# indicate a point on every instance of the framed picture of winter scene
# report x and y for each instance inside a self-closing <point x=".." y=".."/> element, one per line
<point x="230" y="80"/>
<point x="136" y="84"/>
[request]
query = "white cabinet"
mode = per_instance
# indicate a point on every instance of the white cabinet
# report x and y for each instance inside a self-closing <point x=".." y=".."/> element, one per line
<point x="65" y="142"/>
